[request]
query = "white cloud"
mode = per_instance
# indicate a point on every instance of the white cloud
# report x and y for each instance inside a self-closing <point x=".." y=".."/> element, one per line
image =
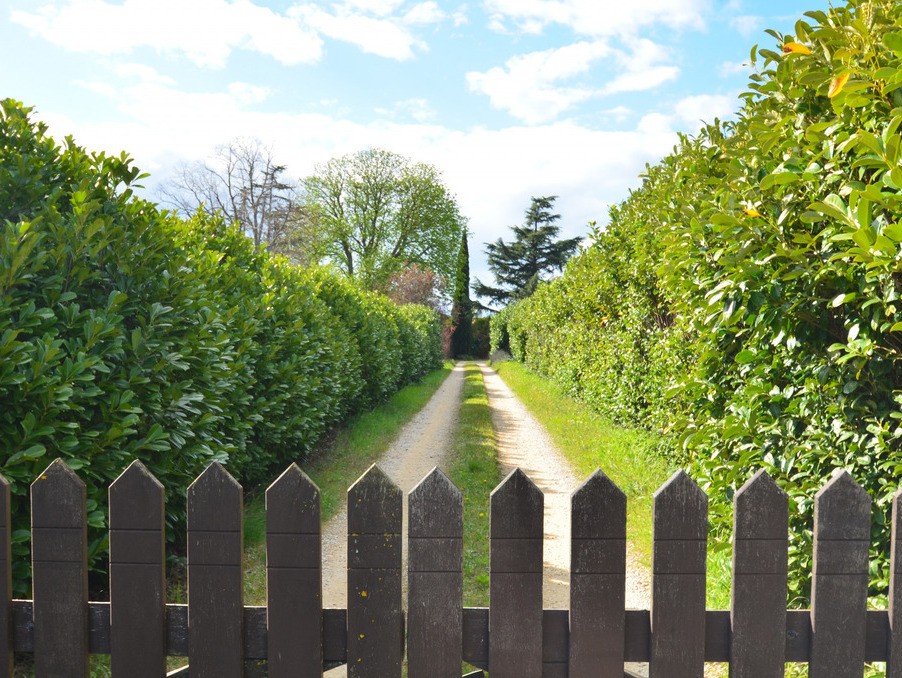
<point x="589" y="17"/>
<point x="492" y="172"/>
<point x="527" y="85"/>
<point x="247" y="94"/>
<point x="375" y="26"/>
<point x="205" y="31"/>
<point x="409" y="109"/>
<point x="695" y="110"/>
<point x="728" y="68"/>
<point x="746" y="24"/>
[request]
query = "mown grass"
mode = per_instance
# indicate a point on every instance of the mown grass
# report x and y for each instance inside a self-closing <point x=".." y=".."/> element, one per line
<point x="334" y="466"/>
<point x="590" y="441"/>
<point x="475" y="471"/>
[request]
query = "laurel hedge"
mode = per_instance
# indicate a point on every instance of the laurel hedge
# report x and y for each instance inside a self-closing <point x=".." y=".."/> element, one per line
<point x="745" y="301"/>
<point x="127" y="332"/>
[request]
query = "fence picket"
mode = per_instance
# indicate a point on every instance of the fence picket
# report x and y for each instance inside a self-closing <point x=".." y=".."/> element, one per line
<point x="59" y="548"/>
<point x="435" y="578"/>
<point x="294" y="576"/>
<point x="839" y="589"/>
<point x="215" y="598"/>
<point x="758" y="610"/>
<point x="894" y="646"/>
<point x="137" y="574"/>
<point x="678" y="579"/>
<point x="6" y="591"/>
<point x="375" y="619"/>
<point x="515" y="584"/>
<point x="597" y="578"/>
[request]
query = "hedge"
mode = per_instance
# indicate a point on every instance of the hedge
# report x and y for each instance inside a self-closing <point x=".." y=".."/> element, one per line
<point x="746" y="299"/>
<point x="127" y="332"/>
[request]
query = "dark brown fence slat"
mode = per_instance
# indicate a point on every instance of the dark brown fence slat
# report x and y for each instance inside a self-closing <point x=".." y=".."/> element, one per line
<point x="515" y="585"/>
<point x="435" y="578"/>
<point x="215" y="597"/>
<point x="137" y="574"/>
<point x="597" y="578"/>
<point x="678" y="580"/>
<point x="555" y="643"/>
<point x="59" y="544"/>
<point x="294" y="579"/>
<point x="894" y="644"/>
<point x="758" y="610"/>
<point x="375" y="623"/>
<point x="6" y="591"/>
<point x="839" y="589"/>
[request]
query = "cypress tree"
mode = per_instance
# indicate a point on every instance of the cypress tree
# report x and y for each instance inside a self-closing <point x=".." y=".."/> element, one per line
<point x="461" y="306"/>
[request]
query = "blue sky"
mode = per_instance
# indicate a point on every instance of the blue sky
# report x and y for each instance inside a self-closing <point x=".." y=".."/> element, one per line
<point x="509" y="98"/>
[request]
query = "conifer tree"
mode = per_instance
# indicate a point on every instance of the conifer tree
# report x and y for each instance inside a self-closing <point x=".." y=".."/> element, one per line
<point x="461" y="305"/>
<point x="519" y="265"/>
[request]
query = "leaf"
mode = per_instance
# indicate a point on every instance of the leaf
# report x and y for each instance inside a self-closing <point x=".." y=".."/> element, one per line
<point x="778" y="178"/>
<point x="795" y="48"/>
<point x="841" y="299"/>
<point x="745" y="357"/>
<point x="894" y="42"/>
<point x="837" y="84"/>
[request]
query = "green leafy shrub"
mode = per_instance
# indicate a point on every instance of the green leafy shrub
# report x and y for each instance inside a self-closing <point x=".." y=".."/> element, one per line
<point x="126" y="332"/>
<point x="757" y="276"/>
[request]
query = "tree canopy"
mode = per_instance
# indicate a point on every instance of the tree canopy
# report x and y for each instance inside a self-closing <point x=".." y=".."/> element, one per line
<point x="380" y="212"/>
<point x="534" y="252"/>
<point x="461" y="305"/>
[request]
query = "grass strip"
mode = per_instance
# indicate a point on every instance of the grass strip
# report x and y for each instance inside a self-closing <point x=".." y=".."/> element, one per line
<point x="590" y="441"/>
<point x="334" y="466"/>
<point x="476" y="473"/>
<point x="626" y="455"/>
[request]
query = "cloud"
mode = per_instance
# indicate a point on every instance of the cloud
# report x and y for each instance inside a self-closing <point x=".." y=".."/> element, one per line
<point x="375" y="26"/>
<point x="703" y="108"/>
<point x="493" y="172"/>
<point x="409" y="109"/>
<point x="587" y="17"/>
<point x="728" y="68"/>
<point x="746" y="24"/>
<point x="527" y="86"/>
<point x="204" y="31"/>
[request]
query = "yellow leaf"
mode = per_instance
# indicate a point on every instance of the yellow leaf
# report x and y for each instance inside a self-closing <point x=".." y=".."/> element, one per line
<point x="751" y="212"/>
<point x="837" y="84"/>
<point x="795" y="48"/>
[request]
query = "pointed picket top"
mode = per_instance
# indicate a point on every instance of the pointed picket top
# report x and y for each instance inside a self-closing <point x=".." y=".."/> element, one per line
<point x="435" y="507"/>
<point x="517" y="508"/>
<point x="58" y="497"/>
<point x="842" y="509"/>
<point x="761" y="509"/>
<point x="598" y="509"/>
<point x="374" y="504"/>
<point x="293" y="503"/>
<point x="680" y="509"/>
<point x="215" y="500"/>
<point x="137" y="499"/>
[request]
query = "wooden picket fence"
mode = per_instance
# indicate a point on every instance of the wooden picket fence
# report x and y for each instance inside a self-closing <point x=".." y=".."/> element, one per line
<point x="514" y="638"/>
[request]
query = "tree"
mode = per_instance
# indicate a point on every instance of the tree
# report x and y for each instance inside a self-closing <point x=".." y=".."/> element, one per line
<point x="461" y="305"/>
<point x="379" y="212"/>
<point x="417" y="285"/>
<point x="244" y="182"/>
<point x="519" y="266"/>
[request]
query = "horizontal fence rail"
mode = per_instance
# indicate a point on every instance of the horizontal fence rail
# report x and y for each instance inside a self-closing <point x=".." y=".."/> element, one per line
<point x="294" y="636"/>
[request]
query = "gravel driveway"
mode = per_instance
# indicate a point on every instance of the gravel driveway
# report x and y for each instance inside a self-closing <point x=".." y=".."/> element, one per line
<point x="425" y="443"/>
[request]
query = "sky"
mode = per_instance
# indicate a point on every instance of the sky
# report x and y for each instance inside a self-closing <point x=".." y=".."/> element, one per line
<point x="508" y="98"/>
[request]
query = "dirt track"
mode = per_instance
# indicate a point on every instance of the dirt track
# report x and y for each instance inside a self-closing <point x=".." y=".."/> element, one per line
<point x="424" y="443"/>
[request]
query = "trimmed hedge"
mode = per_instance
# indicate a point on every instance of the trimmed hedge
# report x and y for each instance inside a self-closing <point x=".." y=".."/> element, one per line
<point x="126" y="332"/>
<point x="756" y="277"/>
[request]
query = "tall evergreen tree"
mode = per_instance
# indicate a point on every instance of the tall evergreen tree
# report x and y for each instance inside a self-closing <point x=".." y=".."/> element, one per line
<point x="461" y="305"/>
<point x="519" y="265"/>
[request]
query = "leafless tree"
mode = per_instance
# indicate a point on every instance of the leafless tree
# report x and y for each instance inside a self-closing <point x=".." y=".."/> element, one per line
<point x="243" y="182"/>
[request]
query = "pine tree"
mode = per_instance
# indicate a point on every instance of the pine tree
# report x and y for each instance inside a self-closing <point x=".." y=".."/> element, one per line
<point x="461" y="305"/>
<point x="519" y="265"/>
